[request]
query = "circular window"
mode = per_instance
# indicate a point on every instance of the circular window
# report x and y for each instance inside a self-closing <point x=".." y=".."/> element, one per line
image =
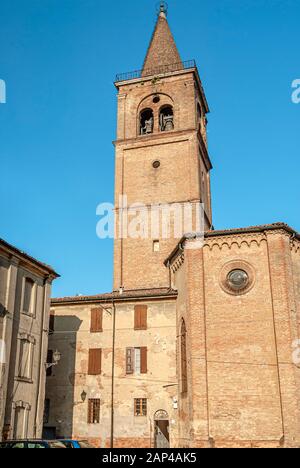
<point x="237" y="277"/>
<point x="156" y="99"/>
<point x="156" y="164"/>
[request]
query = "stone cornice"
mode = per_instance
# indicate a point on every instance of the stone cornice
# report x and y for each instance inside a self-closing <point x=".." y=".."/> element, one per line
<point x="295" y="245"/>
<point x="237" y="239"/>
<point x="17" y="257"/>
<point x="178" y="263"/>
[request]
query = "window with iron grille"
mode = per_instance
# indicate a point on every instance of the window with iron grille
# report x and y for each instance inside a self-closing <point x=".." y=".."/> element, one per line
<point x="94" y="411"/>
<point x="49" y="361"/>
<point x="140" y="406"/>
<point x="46" y="411"/>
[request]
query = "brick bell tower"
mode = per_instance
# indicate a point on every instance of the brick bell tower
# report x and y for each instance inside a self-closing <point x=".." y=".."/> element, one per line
<point x="161" y="153"/>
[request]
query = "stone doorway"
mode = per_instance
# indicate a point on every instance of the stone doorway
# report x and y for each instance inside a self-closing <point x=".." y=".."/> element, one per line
<point x="161" y="430"/>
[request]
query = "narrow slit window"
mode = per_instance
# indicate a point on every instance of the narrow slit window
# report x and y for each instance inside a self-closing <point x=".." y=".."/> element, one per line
<point x="156" y="246"/>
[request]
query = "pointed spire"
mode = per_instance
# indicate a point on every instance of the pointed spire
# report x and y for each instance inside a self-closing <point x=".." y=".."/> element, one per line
<point x="162" y="52"/>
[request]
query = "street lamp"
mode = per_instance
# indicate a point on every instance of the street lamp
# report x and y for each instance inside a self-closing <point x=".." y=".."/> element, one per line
<point x="56" y="359"/>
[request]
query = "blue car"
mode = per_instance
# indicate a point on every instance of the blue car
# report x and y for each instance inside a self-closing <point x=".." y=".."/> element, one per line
<point x="68" y="443"/>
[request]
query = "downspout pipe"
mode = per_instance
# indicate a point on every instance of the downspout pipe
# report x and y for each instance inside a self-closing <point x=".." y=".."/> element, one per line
<point x="112" y="416"/>
<point x="41" y="368"/>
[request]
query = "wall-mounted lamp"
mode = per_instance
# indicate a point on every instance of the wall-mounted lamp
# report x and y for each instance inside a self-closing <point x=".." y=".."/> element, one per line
<point x="83" y="396"/>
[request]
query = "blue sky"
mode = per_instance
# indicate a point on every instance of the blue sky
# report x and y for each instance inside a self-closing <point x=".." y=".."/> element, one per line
<point x="59" y="59"/>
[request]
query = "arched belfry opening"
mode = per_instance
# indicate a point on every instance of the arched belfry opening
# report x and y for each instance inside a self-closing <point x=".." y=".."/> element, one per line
<point x="166" y="119"/>
<point x="146" y="122"/>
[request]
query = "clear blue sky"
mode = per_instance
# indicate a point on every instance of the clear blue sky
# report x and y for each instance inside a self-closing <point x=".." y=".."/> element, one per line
<point x="59" y="59"/>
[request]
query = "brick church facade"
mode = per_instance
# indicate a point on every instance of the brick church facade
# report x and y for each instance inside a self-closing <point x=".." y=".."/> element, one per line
<point x="195" y="345"/>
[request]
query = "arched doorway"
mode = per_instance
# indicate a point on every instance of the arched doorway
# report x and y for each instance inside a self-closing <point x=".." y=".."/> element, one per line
<point x="161" y="430"/>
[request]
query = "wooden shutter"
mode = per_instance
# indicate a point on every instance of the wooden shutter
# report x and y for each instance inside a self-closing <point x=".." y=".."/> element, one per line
<point x="96" y="320"/>
<point x="140" y="317"/>
<point x="94" y="362"/>
<point x="144" y="369"/>
<point x="129" y="360"/>
<point x="144" y="310"/>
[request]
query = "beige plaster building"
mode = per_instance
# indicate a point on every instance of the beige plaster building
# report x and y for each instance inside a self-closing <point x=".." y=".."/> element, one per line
<point x="25" y="290"/>
<point x="194" y="348"/>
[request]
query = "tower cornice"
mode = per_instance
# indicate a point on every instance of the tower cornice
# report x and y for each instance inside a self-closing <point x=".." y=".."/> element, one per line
<point x="122" y="81"/>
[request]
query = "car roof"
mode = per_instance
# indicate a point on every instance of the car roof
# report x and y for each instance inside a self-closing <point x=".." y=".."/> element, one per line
<point x="27" y="440"/>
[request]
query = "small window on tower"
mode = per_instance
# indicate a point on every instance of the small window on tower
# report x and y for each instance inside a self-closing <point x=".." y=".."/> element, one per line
<point x="146" y="122"/>
<point x="156" y="246"/>
<point x="166" y="119"/>
<point x="199" y="116"/>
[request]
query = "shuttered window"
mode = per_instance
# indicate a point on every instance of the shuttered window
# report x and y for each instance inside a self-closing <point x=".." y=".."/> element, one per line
<point x="143" y="360"/>
<point x="96" y="320"/>
<point x="140" y="317"/>
<point x="94" y="362"/>
<point x="129" y="360"/>
<point x="136" y="361"/>
<point x="94" y="411"/>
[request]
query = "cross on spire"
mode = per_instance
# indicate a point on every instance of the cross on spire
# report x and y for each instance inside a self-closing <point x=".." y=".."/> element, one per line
<point x="163" y="8"/>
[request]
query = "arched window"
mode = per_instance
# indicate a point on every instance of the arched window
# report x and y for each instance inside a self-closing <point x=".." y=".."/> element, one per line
<point x="146" y="122"/>
<point x="166" y="119"/>
<point x="183" y="358"/>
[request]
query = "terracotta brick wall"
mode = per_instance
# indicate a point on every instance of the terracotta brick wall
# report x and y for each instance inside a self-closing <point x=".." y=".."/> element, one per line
<point x="243" y="386"/>
<point x="177" y="180"/>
